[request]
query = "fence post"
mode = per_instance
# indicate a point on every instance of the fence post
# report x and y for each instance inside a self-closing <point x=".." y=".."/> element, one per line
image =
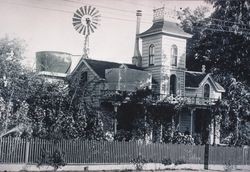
<point x="206" y="156"/>
<point x="245" y="155"/>
<point x="27" y="148"/>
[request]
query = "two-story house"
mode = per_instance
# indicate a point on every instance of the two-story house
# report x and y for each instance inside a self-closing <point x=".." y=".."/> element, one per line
<point x="160" y="66"/>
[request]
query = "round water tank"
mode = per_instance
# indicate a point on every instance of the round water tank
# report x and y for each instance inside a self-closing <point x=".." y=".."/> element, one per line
<point x="53" y="61"/>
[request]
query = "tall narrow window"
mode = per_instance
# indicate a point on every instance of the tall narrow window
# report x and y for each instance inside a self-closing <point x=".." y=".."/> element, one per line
<point x="174" y="55"/>
<point x="173" y="85"/>
<point x="206" y="91"/>
<point x="83" y="78"/>
<point x="151" y="54"/>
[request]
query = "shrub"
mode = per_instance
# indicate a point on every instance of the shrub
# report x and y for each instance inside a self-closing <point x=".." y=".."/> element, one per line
<point x="166" y="161"/>
<point x="56" y="159"/>
<point x="179" y="162"/>
<point x="180" y="138"/>
<point x="139" y="162"/>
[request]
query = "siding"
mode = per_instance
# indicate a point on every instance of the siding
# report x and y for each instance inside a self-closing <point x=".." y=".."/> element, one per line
<point x="146" y="42"/>
<point x="167" y="42"/>
<point x="162" y="69"/>
<point x="184" y="121"/>
<point x="92" y="87"/>
<point x="199" y="92"/>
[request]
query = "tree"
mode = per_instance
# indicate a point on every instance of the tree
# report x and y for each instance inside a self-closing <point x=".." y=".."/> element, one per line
<point x="225" y="53"/>
<point x="13" y="77"/>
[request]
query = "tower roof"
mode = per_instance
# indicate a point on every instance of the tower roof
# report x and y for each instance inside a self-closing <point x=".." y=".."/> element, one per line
<point x="166" y="27"/>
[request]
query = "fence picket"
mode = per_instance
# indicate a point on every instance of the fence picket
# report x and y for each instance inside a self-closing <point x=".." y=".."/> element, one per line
<point x="12" y="150"/>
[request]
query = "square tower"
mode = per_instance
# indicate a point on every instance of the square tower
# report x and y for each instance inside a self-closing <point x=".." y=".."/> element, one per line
<point x="164" y="54"/>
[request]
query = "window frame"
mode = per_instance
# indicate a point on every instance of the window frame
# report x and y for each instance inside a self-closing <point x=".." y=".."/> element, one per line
<point x="83" y="77"/>
<point x="206" y="91"/>
<point x="174" y="55"/>
<point x="173" y="86"/>
<point x="151" y="55"/>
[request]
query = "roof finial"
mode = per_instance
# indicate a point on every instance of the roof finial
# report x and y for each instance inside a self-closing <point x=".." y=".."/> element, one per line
<point x="203" y="68"/>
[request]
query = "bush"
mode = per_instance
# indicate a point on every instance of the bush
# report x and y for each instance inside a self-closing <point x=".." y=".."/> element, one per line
<point x="179" y="162"/>
<point x="139" y="162"/>
<point x="55" y="160"/>
<point x="166" y="161"/>
<point x="180" y="138"/>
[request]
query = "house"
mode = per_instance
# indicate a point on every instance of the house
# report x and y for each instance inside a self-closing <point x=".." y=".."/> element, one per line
<point x="161" y="67"/>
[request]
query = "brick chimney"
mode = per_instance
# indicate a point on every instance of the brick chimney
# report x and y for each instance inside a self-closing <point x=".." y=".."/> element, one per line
<point x="137" y="59"/>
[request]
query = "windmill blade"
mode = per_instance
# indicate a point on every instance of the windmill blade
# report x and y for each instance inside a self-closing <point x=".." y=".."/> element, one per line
<point x="76" y="19"/>
<point x="85" y="9"/>
<point x="77" y="27"/>
<point x="76" y="23"/>
<point x="95" y="13"/>
<point x="97" y="16"/>
<point x="81" y="9"/>
<point x="92" y="11"/>
<point x="81" y="28"/>
<point x="96" y="19"/>
<point x="91" y="28"/>
<point x="94" y="23"/>
<point x="89" y="9"/>
<point x="79" y="13"/>
<point x="77" y="16"/>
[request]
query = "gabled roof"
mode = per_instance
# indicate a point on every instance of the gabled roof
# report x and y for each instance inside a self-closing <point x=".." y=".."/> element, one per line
<point x="166" y="27"/>
<point x="99" y="67"/>
<point x="196" y="79"/>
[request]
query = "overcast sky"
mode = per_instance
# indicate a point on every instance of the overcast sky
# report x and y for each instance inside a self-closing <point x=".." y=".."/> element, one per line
<point x="47" y="25"/>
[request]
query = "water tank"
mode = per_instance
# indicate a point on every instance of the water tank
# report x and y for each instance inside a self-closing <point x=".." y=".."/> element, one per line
<point x="53" y="61"/>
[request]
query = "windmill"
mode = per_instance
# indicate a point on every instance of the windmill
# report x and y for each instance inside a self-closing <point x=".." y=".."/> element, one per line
<point x="85" y="21"/>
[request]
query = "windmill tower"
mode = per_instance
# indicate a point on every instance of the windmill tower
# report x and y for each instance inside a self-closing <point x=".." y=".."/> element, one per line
<point x="85" y="21"/>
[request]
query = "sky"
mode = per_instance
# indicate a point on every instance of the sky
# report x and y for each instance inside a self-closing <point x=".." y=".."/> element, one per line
<point x="46" y="25"/>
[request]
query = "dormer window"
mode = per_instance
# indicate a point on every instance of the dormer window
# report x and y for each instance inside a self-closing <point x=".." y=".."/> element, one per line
<point x="174" y="55"/>
<point x="151" y="54"/>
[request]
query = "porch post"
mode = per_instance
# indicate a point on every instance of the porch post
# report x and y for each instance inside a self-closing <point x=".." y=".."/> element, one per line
<point x="115" y="120"/>
<point x="191" y="123"/>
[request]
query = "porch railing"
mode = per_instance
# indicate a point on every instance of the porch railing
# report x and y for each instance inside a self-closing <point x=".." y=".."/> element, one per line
<point x="114" y="95"/>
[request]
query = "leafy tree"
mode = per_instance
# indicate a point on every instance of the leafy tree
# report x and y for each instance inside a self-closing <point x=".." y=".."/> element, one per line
<point x="13" y="78"/>
<point x="225" y="54"/>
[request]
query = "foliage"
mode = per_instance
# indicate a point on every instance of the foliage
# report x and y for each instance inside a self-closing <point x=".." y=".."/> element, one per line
<point x="181" y="138"/>
<point x="33" y="106"/>
<point x="225" y="54"/>
<point x="13" y="93"/>
<point x="226" y="51"/>
<point x="139" y="162"/>
<point x="166" y="161"/>
<point x="56" y="159"/>
<point x="179" y="162"/>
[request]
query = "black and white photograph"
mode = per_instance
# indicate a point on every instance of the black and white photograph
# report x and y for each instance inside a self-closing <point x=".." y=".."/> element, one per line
<point x="124" y="85"/>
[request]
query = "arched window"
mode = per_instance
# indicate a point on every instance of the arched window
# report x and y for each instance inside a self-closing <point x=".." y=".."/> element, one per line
<point x="173" y="85"/>
<point x="151" y="54"/>
<point x="174" y="55"/>
<point x="83" y="78"/>
<point x="206" y="91"/>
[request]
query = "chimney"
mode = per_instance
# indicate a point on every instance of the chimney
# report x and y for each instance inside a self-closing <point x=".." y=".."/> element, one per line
<point x="137" y="59"/>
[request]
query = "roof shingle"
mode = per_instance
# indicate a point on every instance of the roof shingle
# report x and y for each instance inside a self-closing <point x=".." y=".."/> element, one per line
<point x="100" y="66"/>
<point x="193" y="79"/>
<point x="166" y="27"/>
